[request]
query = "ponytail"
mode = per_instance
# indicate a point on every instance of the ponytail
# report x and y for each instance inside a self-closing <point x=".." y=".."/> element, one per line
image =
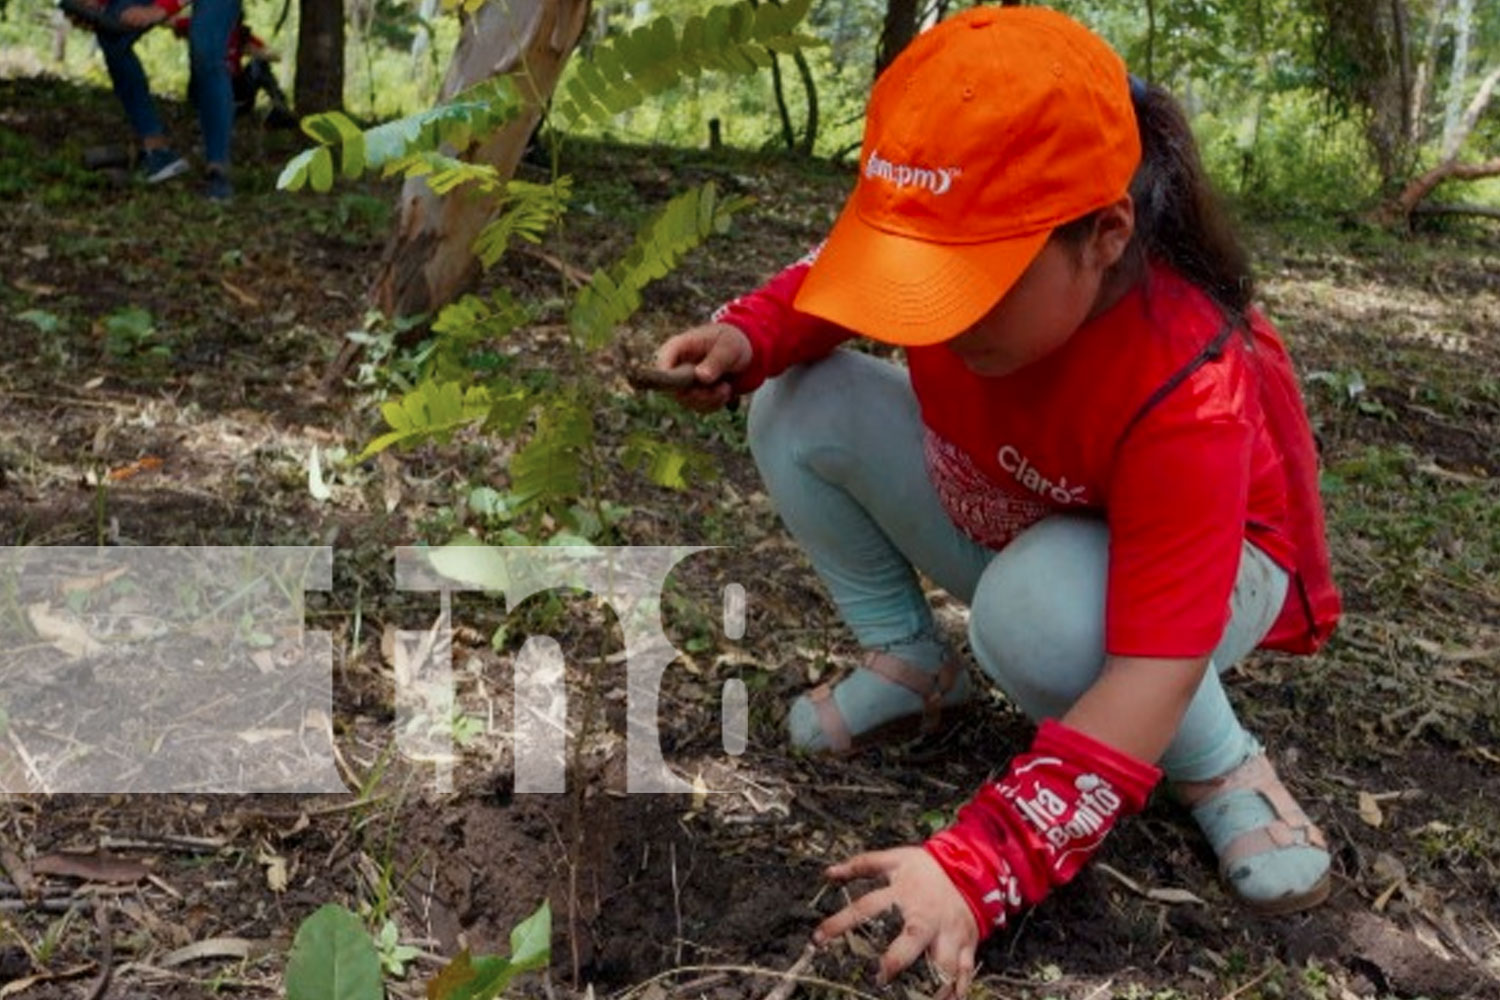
<point x="1178" y="217"/>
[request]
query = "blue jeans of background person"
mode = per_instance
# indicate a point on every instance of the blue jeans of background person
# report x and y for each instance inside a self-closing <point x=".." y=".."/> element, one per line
<point x="839" y="445"/>
<point x="208" y="42"/>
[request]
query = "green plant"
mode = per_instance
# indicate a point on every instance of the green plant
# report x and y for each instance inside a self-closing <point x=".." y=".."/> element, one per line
<point x="130" y="333"/>
<point x="487" y="976"/>
<point x="464" y="380"/>
<point x="333" y="958"/>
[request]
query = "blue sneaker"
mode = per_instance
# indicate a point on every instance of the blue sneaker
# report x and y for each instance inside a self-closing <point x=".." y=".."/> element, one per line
<point x="163" y="164"/>
<point x="218" y="187"/>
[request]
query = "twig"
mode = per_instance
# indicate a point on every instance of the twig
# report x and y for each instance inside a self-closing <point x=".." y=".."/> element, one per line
<point x="749" y="970"/>
<point x="792" y="976"/>
<point x="107" y="960"/>
<point x="1244" y="987"/>
<point x="681" y="377"/>
<point x="574" y="275"/>
<point x="676" y="903"/>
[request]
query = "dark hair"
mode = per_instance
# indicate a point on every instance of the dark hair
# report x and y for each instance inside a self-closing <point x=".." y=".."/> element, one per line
<point x="1178" y="217"/>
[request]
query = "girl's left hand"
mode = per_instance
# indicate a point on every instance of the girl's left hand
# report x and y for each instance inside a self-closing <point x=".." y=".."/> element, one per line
<point x="935" y="918"/>
<point x="142" y="15"/>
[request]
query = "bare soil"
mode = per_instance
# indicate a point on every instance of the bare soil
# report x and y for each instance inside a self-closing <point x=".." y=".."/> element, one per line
<point x="711" y="895"/>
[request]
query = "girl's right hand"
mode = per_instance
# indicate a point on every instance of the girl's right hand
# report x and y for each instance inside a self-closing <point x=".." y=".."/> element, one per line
<point x="717" y="352"/>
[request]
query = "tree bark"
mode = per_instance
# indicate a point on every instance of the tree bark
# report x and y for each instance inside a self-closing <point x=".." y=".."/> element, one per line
<point x="810" y="132"/>
<point x="429" y="259"/>
<point x="1458" y="76"/>
<point x="1425" y="71"/>
<point x="320" y="56"/>
<point x="1449" y="170"/>
<point x="900" y="28"/>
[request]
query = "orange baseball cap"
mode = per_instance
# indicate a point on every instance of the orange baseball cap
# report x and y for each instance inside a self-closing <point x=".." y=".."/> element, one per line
<point x="989" y="131"/>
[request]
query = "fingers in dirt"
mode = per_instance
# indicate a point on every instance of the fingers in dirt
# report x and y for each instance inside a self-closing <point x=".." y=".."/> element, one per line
<point x="906" y="949"/>
<point x="871" y="864"/>
<point x="866" y="907"/>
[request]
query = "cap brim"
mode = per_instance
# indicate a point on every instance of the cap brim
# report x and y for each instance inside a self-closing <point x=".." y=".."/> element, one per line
<point x="906" y="291"/>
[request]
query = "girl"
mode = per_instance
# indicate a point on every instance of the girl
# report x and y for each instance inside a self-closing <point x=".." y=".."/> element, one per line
<point x="1097" y="445"/>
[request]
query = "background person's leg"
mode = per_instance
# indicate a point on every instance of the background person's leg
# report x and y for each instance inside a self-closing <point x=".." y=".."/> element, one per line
<point x="839" y="446"/>
<point x="1037" y="628"/>
<point x="208" y="43"/>
<point x="128" y="79"/>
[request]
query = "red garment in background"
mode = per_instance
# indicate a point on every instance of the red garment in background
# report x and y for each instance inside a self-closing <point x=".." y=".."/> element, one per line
<point x="1181" y="435"/>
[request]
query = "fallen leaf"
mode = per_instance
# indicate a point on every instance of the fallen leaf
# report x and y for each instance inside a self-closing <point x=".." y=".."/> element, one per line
<point x="276" y="874"/>
<point x="99" y="867"/>
<point x="225" y="947"/>
<point x="34" y="287"/>
<point x="315" y="484"/>
<point x="244" y="297"/>
<point x="63" y="631"/>
<point x="1369" y="811"/>
<point x="89" y="584"/>
<point x="124" y="472"/>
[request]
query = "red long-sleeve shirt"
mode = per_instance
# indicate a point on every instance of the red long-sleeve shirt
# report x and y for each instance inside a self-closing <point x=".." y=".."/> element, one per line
<point x="1151" y="417"/>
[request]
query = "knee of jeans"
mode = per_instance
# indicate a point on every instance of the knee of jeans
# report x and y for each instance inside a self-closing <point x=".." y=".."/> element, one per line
<point x="780" y="407"/>
<point x="1036" y="624"/>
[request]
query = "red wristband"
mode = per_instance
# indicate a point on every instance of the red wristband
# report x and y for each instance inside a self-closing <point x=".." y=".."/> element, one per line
<point x="1038" y="825"/>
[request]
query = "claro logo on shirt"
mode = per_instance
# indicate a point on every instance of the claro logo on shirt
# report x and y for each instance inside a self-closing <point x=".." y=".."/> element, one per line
<point x="935" y="179"/>
<point x="1012" y="461"/>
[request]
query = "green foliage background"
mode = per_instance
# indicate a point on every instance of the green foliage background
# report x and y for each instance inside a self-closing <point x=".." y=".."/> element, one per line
<point x="1248" y="71"/>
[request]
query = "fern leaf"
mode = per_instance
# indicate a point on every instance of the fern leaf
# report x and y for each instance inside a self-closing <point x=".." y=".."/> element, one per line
<point x="613" y="295"/>
<point x="666" y="464"/>
<point x="443" y="172"/>
<point x="431" y="410"/>
<point x="529" y="211"/>
<point x="549" y="470"/>
<point x="623" y="71"/>
<point x="479" y="109"/>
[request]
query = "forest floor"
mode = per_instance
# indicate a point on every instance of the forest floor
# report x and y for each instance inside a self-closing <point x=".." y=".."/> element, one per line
<point x="161" y="386"/>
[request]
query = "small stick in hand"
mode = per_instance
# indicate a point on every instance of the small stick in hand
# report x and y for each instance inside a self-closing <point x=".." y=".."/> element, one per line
<point x="664" y="380"/>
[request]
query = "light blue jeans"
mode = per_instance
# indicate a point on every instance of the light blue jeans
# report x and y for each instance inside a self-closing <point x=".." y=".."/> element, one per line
<point x="839" y="445"/>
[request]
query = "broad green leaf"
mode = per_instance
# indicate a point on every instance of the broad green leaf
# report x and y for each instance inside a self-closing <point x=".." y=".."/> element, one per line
<point x="333" y="958"/>
<point x="531" y="940"/>
<point x="471" y="562"/>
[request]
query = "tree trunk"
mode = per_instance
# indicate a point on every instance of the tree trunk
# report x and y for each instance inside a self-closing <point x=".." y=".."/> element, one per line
<point x="1463" y="26"/>
<point x="430" y="257"/>
<point x="900" y="28"/>
<point x="810" y="133"/>
<point x="1425" y="71"/>
<point x="1450" y="168"/>
<point x="320" y="56"/>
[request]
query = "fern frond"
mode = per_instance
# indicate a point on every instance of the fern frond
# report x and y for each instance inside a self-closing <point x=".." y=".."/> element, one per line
<point x="478" y="110"/>
<point x="613" y="295"/>
<point x="549" y="470"/>
<point x="431" y="410"/>
<point x="667" y="464"/>
<point x="443" y="172"/>
<point x="622" y="72"/>
<point x="463" y="329"/>
<point x="529" y="211"/>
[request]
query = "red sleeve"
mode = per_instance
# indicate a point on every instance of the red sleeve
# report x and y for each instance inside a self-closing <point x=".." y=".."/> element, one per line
<point x="1178" y="496"/>
<point x="779" y="335"/>
<point x="171" y="7"/>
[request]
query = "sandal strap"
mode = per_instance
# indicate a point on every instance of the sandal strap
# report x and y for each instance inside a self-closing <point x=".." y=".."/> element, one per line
<point x="1272" y="837"/>
<point x="930" y="687"/>
<point x="835" y="729"/>
<point x="1290" y="828"/>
